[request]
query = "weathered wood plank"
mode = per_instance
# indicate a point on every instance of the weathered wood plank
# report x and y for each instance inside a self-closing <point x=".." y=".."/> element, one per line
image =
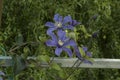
<point x="68" y="62"/>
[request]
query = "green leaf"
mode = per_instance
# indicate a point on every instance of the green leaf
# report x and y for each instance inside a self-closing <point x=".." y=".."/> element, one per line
<point x="71" y="35"/>
<point x="18" y="64"/>
<point x="82" y="52"/>
<point x="26" y="51"/>
<point x="87" y="35"/>
<point x="43" y="58"/>
<point x="89" y="59"/>
<point x="83" y="29"/>
<point x="19" y="39"/>
<point x="62" y="74"/>
<point x="55" y="66"/>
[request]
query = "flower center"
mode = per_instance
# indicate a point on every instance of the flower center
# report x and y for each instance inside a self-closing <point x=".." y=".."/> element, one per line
<point x="58" y="24"/>
<point x="60" y="43"/>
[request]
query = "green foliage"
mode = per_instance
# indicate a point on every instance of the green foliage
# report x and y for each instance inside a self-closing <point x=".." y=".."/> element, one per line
<point x="23" y="34"/>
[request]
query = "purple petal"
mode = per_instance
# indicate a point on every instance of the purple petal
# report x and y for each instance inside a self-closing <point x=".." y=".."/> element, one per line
<point x="67" y="19"/>
<point x="58" y="51"/>
<point x="89" y="54"/>
<point x="85" y="48"/>
<point x="77" y="52"/>
<point x="87" y="61"/>
<point x="51" y="34"/>
<point x="68" y="27"/>
<point x="68" y="51"/>
<point x="50" y="30"/>
<point x="70" y="43"/>
<point x="61" y="34"/>
<point x="49" y="24"/>
<point x="51" y="43"/>
<point x="74" y="23"/>
<point x="56" y="17"/>
<point x="60" y="19"/>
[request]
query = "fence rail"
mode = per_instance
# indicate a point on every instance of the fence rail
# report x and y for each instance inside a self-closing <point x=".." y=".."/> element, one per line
<point x="69" y="62"/>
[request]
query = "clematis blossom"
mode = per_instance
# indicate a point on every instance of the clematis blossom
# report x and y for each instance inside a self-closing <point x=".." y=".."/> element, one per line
<point x="61" y="42"/>
<point x="60" y="23"/>
<point x="78" y="54"/>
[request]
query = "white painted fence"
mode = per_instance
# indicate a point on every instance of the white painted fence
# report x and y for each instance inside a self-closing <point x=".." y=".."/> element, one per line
<point x="69" y="62"/>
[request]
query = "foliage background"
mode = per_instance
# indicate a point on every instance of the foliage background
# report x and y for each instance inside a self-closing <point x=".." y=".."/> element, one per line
<point x="23" y="34"/>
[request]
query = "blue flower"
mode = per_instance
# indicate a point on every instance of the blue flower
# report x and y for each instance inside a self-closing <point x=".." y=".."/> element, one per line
<point x="61" y="42"/>
<point x="77" y="52"/>
<point x="60" y="23"/>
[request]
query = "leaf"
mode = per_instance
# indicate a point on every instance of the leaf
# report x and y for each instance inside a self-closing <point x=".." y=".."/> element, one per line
<point x="26" y="51"/>
<point x="83" y="29"/>
<point x="18" y="64"/>
<point x="89" y="59"/>
<point x="82" y="51"/>
<point x="43" y="58"/>
<point x="87" y="35"/>
<point x="71" y="35"/>
<point x="19" y="39"/>
<point x="62" y="74"/>
<point x="55" y="66"/>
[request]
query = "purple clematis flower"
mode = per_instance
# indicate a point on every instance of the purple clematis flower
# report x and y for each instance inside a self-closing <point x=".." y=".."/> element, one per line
<point x="60" y="23"/>
<point x="77" y="52"/>
<point x="61" y="42"/>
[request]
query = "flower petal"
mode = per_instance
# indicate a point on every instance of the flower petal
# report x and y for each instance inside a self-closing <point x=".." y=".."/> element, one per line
<point x="89" y="54"/>
<point x="60" y="19"/>
<point x="68" y="27"/>
<point x="67" y="19"/>
<point x="70" y="43"/>
<point x="85" y="48"/>
<point x="51" y="43"/>
<point x="56" y="17"/>
<point x="74" y="23"/>
<point x="49" y="24"/>
<point x="49" y="31"/>
<point x="87" y="61"/>
<point x="51" y="34"/>
<point x="77" y="52"/>
<point x="58" y="51"/>
<point x="61" y="34"/>
<point x="68" y="51"/>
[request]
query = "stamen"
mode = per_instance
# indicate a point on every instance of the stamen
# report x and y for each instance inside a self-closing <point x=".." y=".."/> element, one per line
<point x="58" y="24"/>
<point x="60" y="43"/>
